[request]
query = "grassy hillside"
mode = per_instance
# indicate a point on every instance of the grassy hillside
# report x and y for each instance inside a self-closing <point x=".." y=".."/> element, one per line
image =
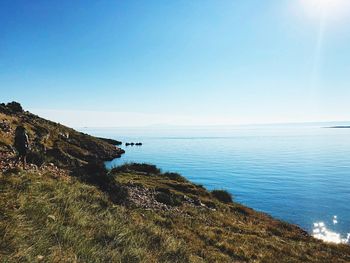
<point x="140" y="217"/>
<point x="53" y="142"/>
<point x="77" y="211"/>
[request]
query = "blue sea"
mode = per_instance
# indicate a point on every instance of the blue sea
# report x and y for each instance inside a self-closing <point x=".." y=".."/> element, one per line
<point x="297" y="173"/>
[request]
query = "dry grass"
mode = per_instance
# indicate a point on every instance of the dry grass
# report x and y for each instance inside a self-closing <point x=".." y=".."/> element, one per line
<point x="234" y="232"/>
<point x="74" y="222"/>
<point x="70" y="221"/>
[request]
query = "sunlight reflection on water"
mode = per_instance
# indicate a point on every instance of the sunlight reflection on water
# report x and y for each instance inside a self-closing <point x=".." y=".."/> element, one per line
<point x="320" y="231"/>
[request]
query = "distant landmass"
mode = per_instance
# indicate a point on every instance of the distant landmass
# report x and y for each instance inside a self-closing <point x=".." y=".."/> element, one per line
<point x="340" y="127"/>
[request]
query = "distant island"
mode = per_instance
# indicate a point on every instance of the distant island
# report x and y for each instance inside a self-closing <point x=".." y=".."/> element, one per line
<point x="340" y="127"/>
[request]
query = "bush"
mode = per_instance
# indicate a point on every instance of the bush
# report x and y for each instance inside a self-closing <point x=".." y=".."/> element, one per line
<point x="14" y="107"/>
<point x="96" y="173"/>
<point x="14" y="170"/>
<point x="222" y="196"/>
<point x="36" y="158"/>
<point x="175" y="176"/>
<point x="167" y="198"/>
<point x="210" y="204"/>
<point x="96" y="168"/>
<point x="118" y="193"/>
<point x="137" y="167"/>
<point x="163" y="190"/>
<point x="2" y="107"/>
<point x="199" y="186"/>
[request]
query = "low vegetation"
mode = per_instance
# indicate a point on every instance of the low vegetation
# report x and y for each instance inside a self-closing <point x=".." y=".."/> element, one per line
<point x="50" y="219"/>
<point x="222" y="196"/>
<point x="138" y="168"/>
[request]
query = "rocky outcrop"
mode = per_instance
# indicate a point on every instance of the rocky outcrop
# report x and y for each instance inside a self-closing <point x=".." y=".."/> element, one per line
<point x="133" y="144"/>
<point x="56" y="143"/>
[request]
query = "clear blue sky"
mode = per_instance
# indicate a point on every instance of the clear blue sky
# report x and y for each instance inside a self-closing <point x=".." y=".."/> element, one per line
<point x="176" y="62"/>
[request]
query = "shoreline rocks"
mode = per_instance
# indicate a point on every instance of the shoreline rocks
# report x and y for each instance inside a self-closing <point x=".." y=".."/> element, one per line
<point x="133" y="144"/>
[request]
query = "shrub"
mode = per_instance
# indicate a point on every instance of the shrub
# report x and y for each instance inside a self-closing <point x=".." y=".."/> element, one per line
<point x="14" y="170"/>
<point x="14" y="107"/>
<point x="167" y="198"/>
<point x="210" y="204"/>
<point x="175" y="176"/>
<point x="96" y="173"/>
<point x="163" y="190"/>
<point x="2" y="107"/>
<point x="242" y="210"/>
<point x="199" y="186"/>
<point x="37" y="158"/>
<point x="137" y="167"/>
<point x="118" y="193"/>
<point x="222" y="196"/>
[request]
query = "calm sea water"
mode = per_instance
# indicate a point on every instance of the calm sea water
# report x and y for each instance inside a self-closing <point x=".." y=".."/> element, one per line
<point x="297" y="173"/>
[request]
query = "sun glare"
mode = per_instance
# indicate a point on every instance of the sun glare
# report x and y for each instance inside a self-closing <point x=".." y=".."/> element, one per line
<point x="326" y="8"/>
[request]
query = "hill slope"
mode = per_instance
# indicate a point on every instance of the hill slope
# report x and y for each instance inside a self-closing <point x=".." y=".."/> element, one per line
<point x="62" y="219"/>
<point x="53" y="142"/>
<point x="134" y="213"/>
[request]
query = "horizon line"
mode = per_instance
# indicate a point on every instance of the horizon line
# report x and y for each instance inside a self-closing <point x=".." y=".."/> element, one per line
<point x="213" y="125"/>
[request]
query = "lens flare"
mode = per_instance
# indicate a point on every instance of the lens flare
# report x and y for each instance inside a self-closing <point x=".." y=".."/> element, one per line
<point x="326" y="8"/>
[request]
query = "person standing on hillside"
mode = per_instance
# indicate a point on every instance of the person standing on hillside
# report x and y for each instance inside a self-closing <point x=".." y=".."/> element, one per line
<point x="22" y="145"/>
